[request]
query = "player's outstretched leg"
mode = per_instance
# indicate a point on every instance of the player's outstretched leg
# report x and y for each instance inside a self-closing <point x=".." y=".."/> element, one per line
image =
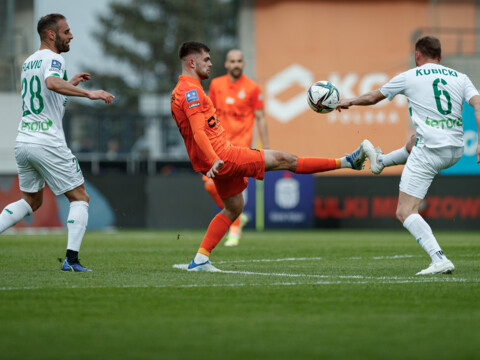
<point x="277" y="160"/>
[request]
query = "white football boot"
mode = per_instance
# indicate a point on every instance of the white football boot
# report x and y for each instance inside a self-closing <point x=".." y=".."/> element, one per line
<point x="206" y="266"/>
<point x="376" y="166"/>
<point x="438" y="267"/>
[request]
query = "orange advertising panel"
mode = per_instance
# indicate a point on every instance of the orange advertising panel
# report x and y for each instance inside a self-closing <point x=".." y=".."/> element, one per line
<point x="358" y="46"/>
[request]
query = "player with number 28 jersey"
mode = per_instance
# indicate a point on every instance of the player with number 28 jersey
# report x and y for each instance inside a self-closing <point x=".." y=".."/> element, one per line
<point x="43" y="109"/>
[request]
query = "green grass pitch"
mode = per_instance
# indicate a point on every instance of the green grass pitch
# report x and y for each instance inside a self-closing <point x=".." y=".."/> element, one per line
<point x="284" y="295"/>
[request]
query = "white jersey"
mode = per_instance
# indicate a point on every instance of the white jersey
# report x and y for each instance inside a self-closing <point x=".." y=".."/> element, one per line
<point x="435" y="96"/>
<point x="43" y="109"/>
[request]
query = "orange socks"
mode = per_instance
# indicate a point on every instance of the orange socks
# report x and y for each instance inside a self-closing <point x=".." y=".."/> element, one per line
<point x="315" y="165"/>
<point x="217" y="228"/>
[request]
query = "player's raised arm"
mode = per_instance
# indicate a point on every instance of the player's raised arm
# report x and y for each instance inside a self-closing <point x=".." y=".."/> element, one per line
<point x="63" y="87"/>
<point x="370" y="98"/>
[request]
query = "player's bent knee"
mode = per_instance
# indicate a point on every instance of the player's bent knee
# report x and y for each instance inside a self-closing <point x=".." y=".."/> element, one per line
<point x="401" y="215"/>
<point x="35" y="205"/>
<point x="279" y="160"/>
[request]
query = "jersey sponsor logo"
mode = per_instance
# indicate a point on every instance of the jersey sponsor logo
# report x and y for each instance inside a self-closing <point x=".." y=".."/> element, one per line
<point x="32" y="65"/>
<point x="191" y="96"/>
<point x="194" y="105"/>
<point x="37" y="125"/>
<point x="422" y="72"/>
<point x="444" y="123"/>
<point x="211" y="122"/>
<point x="56" y="65"/>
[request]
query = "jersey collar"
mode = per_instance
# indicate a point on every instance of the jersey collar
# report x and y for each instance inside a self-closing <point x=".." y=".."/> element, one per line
<point x="190" y="79"/>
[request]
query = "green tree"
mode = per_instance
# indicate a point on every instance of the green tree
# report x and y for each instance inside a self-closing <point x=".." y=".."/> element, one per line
<point x="146" y="34"/>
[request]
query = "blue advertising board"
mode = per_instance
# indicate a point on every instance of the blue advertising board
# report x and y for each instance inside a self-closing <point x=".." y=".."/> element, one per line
<point x="288" y="200"/>
<point x="467" y="165"/>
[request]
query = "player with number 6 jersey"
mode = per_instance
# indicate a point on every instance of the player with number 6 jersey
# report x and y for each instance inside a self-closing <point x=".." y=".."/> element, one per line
<point x="436" y="95"/>
<point x="41" y="152"/>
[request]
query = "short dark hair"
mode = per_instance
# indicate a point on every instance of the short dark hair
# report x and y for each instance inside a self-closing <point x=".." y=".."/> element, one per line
<point x="429" y="46"/>
<point x="191" y="47"/>
<point x="48" y="22"/>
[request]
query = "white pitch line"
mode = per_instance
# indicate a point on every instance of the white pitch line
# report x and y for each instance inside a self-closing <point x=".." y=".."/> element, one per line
<point x="394" y="257"/>
<point x="359" y="277"/>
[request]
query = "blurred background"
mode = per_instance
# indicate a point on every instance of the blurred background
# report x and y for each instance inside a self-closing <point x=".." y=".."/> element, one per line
<point x="133" y="158"/>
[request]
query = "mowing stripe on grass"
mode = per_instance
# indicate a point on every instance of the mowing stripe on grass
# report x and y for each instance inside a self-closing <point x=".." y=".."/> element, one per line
<point x="268" y="260"/>
<point x="361" y="280"/>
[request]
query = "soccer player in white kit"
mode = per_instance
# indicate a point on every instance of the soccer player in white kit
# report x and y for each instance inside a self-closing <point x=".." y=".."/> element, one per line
<point x="435" y="96"/>
<point x="41" y="151"/>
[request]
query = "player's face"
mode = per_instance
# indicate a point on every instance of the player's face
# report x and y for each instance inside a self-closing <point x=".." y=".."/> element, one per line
<point x="203" y="65"/>
<point x="63" y="36"/>
<point x="234" y="64"/>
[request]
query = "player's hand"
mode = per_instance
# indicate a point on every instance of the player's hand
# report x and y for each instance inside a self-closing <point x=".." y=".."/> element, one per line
<point x="77" y="79"/>
<point x="343" y="104"/>
<point x="101" y="95"/>
<point x="217" y="165"/>
<point x="478" y="153"/>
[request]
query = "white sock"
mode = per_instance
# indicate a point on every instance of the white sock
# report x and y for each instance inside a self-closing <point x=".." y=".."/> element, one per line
<point x="13" y="213"/>
<point x="422" y="232"/>
<point x="396" y="157"/>
<point x="344" y="163"/>
<point x="200" y="258"/>
<point x="77" y="224"/>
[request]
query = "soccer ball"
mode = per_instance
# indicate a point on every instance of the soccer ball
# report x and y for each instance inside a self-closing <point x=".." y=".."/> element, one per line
<point x="323" y="97"/>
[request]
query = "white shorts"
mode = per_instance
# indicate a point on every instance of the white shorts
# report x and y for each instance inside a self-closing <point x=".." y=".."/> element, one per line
<point x="38" y="164"/>
<point x="422" y="166"/>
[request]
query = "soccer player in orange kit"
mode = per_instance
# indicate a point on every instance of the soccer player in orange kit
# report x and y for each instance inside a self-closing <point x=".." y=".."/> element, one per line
<point x="239" y="105"/>
<point x="229" y="166"/>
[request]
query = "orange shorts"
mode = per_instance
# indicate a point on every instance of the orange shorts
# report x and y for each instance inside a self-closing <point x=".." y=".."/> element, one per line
<point x="240" y="164"/>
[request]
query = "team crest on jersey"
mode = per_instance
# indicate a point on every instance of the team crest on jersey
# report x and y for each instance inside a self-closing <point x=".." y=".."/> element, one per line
<point x="56" y="65"/>
<point x="191" y="96"/>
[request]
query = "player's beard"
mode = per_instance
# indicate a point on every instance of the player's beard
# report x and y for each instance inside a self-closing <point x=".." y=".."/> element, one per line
<point x="203" y="74"/>
<point x="61" y="45"/>
<point x="236" y="73"/>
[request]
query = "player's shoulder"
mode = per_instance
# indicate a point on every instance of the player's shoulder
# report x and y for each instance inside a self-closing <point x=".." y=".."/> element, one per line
<point x="249" y="82"/>
<point x="47" y="54"/>
<point x="189" y="90"/>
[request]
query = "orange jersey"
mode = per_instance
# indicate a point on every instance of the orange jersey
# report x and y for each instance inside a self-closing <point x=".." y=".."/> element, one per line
<point x="187" y="100"/>
<point x="236" y="103"/>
